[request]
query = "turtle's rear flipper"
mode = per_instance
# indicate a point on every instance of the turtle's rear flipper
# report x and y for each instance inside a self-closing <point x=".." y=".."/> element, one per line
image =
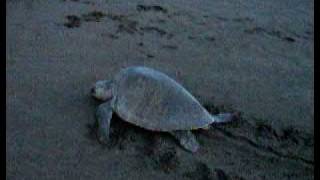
<point x="225" y="117"/>
<point x="104" y="115"/>
<point x="186" y="140"/>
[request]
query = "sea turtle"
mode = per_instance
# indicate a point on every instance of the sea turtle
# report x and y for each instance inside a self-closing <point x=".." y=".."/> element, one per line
<point x="150" y="99"/>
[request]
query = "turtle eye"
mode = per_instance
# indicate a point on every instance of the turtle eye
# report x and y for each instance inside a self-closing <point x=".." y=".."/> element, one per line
<point x="92" y="90"/>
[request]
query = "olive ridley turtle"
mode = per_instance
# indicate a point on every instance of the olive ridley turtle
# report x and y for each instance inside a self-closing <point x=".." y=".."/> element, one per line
<point x="150" y="99"/>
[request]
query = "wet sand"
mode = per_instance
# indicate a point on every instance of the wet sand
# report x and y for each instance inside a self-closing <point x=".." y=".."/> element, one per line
<point x="249" y="56"/>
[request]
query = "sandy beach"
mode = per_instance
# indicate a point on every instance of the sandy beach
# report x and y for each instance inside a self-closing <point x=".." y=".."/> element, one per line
<point x="255" y="57"/>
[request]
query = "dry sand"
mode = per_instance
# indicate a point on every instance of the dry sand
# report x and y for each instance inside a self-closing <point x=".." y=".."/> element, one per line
<point x="250" y="56"/>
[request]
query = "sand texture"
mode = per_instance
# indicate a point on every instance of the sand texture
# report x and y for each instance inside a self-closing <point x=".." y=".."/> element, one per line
<point x="255" y="57"/>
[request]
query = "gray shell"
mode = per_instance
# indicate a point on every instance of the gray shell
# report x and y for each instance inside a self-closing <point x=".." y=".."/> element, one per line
<point x="152" y="100"/>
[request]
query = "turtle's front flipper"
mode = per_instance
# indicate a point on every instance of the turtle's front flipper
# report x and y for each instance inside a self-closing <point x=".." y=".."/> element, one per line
<point x="225" y="117"/>
<point x="186" y="139"/>
<point x="104" y="115"/>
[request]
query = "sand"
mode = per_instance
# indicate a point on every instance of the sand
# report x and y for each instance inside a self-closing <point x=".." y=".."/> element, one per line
<point x="255" y="57"/>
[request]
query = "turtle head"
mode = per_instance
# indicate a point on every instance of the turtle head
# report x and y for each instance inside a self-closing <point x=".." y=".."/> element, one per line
<point x="102" y="90"/>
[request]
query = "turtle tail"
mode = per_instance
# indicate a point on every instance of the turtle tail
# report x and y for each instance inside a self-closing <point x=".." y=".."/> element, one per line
<point x="225" y="117"/>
